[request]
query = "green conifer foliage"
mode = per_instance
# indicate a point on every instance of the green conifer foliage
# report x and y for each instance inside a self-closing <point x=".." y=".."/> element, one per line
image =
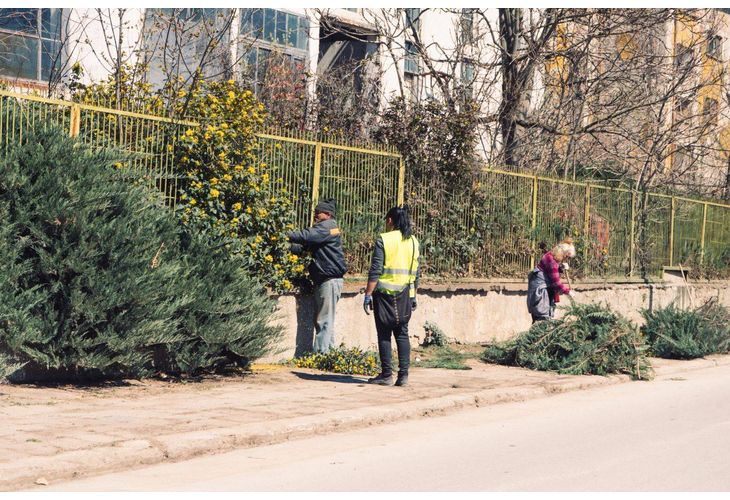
<point x="97" y="279"/>
<point x="588" y="339"/>
<point x="676" y="333"/>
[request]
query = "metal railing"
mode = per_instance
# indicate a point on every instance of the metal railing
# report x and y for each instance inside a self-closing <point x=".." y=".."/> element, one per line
<point x="492" y="228"/>
<point x="488" y="229"/>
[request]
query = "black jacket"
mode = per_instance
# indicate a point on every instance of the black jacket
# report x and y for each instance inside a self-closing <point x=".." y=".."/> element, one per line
<point x="325" y="242"/>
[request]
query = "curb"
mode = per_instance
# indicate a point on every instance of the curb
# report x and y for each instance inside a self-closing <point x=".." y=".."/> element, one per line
<point x="183" y="446"/>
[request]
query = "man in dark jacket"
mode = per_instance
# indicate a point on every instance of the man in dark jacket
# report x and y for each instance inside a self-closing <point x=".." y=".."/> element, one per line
<point x="328" y="266"/>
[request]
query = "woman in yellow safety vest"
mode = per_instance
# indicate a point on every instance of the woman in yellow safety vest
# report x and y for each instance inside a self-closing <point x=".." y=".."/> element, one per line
<point x="391" y="292"/>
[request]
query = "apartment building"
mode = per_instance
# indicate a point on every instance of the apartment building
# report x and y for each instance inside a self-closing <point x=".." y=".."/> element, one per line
<point x="376" y="54"/>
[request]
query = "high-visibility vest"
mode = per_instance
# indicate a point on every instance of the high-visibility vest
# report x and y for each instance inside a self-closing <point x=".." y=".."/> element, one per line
<point x="400" y="265"/>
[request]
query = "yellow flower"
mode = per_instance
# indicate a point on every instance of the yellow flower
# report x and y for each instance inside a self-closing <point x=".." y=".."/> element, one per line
<point x="234" y="220"/>
<point x="227" y="177"/>
<point x="189" y="132"/>
<point x="258" y="239"/>
<point x="238" y="168"/>
<point x="214" y="181"/>
<point x="215" y="193"/>
<point x="193" y="201"/>
<point x="248" y="210"/>
<point x="293" y="258"/>
<point x="236" y="206"/>
<point x="251" y="170"/>
<point x="269" y="258"/>
<point x="231" y="95"/>
<point x="263" y="212"/>
<point x="286" y="284"/>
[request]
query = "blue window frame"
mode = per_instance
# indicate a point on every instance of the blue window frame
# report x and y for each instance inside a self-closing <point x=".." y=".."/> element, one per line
<point x="275" y="27"/>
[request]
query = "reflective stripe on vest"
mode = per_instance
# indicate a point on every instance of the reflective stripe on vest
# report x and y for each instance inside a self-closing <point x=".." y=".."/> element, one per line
<point x="400" y="265"/>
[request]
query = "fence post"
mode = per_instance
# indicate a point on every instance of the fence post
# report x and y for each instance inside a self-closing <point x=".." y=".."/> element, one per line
<point x="75" y="125"/>
<point x="702" y="239"/>
<point x="315" y="179"/>
<point x="586" y="229"/>
<point x="534" y="220"/>
<point x="671" y="233"/>
<point x="632" y="236"/>
<point x="401" y="182"/>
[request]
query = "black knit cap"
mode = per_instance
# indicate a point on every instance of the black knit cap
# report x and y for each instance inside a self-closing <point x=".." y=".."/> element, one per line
<point x="326" y="205"/>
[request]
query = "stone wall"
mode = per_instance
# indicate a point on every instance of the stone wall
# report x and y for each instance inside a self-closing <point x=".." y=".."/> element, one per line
<point x="477" y="312"/>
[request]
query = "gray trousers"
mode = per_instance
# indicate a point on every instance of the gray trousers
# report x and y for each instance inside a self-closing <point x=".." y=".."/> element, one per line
<point x="325" y="298"/>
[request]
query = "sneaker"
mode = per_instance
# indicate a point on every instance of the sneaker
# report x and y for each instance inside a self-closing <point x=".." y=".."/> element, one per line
<point x="381" y="380"/>
<point x="402" y="380"/>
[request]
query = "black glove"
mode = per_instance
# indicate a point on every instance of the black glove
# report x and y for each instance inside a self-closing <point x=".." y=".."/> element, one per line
<point x="367" y="304"/>
<point x="414" y="303"/>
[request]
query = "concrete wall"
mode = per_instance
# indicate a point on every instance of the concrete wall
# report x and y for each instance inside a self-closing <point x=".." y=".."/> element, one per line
<point x="475" y="313"/>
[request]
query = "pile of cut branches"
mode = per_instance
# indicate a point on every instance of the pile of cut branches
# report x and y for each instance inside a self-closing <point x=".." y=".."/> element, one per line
<point x="676" y="333"/>
<point x="588" y="339"/>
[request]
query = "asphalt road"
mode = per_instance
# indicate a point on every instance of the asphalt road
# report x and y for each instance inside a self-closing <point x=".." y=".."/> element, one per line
<point x="665" y="435"/>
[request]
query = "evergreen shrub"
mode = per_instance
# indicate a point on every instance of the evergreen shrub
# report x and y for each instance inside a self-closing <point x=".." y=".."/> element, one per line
<point x="98" y="279"/>
<point x="675" y="333"/>
<point x="435" y="336"/>
<point x="588" y="339"/>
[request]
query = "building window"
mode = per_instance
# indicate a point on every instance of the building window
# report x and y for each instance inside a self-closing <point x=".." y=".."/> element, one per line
<point x="413" y="18"/>
<point x="411" y="65"/>
<point x="682" y="57"/>
<point x="710" y="111"/>
<point x="714" y="47"/>
<point x="30" y="43"/>
<point x="467" y="25"/>
<point x="683" y="107"/>
<point x="268" y="33"/>
<point x="275" y="27"/>
<point x="467" y="78"/>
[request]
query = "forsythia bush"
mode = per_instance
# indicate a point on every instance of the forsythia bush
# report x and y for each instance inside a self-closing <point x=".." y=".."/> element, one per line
<point x="228" y="191"/>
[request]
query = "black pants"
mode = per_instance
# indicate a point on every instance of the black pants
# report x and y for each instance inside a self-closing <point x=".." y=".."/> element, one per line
<point x="384" y="347"/>
<point x="391" y="318"/>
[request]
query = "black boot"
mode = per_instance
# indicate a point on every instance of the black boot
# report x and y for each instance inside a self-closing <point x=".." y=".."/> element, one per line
<point x="381" y="380"/>
<point x="402" y="380"/>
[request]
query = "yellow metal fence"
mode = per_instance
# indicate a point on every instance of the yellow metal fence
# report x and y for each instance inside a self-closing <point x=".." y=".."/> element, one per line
<point x="489" y="229"/>
<point x="493" y="228"/>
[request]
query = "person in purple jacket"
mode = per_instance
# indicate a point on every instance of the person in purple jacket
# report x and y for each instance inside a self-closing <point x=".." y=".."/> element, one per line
<point x="544" y="286"/>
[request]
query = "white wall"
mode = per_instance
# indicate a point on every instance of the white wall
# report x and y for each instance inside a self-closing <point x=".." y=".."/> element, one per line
<point x="93" y="32"/>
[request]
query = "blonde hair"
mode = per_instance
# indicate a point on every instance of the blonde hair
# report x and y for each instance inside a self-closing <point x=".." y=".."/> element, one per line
<point x="564" y="249"/>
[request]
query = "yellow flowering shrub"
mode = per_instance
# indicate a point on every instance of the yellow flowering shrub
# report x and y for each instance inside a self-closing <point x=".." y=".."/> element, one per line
<point x="227" y="190"/>
<point x="341" y="359"/>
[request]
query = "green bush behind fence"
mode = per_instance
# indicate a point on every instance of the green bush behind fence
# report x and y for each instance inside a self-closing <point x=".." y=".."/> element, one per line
<point x="488" y="229"/>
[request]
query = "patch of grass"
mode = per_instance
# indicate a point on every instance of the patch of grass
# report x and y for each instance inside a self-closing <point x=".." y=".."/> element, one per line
<point x="445" y="357"/>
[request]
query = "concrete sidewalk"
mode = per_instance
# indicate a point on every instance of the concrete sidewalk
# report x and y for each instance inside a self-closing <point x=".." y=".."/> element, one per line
<point x="60" y="433"/>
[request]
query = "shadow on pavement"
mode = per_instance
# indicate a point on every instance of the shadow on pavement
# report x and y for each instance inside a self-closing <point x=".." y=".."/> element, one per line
<point x="344" y="379"/>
